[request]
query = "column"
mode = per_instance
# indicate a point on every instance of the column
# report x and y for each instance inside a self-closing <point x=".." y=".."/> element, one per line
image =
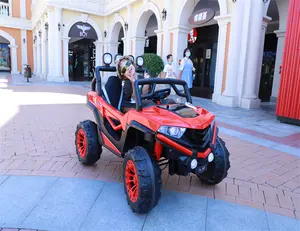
<point x="229" y="97"/>
<point x="34" y="58"/>
<point x="58" y="43"/>
<point x="129" y="31"/>
<point x="279" y="54"/>
<point x="98" y="46"/>
<point x="23" y="8"/>
<point x="14" y="59"/>
<point x="180" y="42"/>
<point x="159" y="34"/>
<point x="138" y="46"/>
<point x="44" y="52"/>
<point x="221" y="55"/>
<point x="166" y="33"/>
<point x="66" y="58"/>
<point x="113" y="48"/>
<point x="38" y="57"/>
<point x="52" y="28"/>
<point x="24" y="49"/>
<point x="249" y="98"/>
<point x="125" y="50"/>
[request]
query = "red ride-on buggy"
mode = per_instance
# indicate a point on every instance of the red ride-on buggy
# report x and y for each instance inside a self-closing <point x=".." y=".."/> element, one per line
<point x="162" y="133"/>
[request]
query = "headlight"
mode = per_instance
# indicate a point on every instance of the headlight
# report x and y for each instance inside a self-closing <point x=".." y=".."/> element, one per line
<point x="175" y="132"/>
<point x="140" y="61"/>
<point x="107" y="58"/>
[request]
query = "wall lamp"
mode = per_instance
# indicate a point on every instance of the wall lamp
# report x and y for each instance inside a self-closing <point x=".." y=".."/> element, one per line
<point x="58" y="25"/>
<point x="126" y="26"/>
<point x="164" y="14"/>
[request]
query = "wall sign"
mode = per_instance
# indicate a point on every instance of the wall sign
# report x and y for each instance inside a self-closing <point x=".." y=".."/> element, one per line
<point x="192" y="36"/>
<point x="208" y="53"/>
<point x="201" y="16"/>
<point x="83" y="30"/>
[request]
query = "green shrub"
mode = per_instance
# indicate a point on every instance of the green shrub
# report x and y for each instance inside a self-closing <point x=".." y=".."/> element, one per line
<point x="153" y="63"/>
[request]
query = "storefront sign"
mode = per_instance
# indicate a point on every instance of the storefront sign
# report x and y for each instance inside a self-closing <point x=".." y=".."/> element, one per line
<point x="83" y="30"/>
<point x="201" y="16"/>
<point x="192" y="36"/>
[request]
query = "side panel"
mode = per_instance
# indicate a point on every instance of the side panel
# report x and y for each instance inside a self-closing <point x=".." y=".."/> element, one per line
<point x="288" y="104"/>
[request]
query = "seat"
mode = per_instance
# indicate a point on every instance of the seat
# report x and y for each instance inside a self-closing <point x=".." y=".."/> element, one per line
<point x="113" y="88"/>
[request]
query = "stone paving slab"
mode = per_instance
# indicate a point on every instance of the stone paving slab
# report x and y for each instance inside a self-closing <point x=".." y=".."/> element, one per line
<point x="109" y="211"/>
<point x="37" y="138"/>
<point x="18" y="197"/>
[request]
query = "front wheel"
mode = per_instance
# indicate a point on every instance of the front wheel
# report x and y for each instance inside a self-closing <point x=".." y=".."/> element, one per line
<point x="217" y="170"/>
<point x="87" y="145"/>
<point x="142" y="180"/>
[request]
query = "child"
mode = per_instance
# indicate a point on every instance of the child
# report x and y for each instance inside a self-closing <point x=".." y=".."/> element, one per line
<point x="168" y="70"/>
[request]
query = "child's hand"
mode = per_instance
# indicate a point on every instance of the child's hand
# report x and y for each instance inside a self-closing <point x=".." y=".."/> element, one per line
<point x="146" y="75"/>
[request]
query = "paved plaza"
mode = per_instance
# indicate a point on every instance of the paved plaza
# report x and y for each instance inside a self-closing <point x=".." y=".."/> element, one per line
<point x="43" y="181"/>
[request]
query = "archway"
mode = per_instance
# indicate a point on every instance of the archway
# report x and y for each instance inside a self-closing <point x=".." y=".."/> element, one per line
<point x="82" y="51"/>
<point x="8" y="53"/>
<point x="97" y="53"/>
<point x="148" y="29"/>
<point x="150" y="34"/>
<point x="269" y="54"/>
<point x="4" y="54"/>
<point x="117" y="36"/>
<point x="278" y="11"/>
<point x="199" y="20"/>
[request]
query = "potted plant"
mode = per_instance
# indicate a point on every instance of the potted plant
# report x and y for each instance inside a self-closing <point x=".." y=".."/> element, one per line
<point x="154" y="64"/>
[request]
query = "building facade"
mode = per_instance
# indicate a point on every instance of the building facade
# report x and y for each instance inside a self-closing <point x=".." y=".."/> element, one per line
<point x="16" y="43"/>
<point x="236" y="45"/>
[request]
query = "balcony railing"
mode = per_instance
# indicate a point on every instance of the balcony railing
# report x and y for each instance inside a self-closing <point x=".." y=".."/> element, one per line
<point x="5" y="9"/>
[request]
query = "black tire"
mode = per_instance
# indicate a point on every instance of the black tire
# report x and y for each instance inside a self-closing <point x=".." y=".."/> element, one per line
<point x="148" y="177"/>
<point x="87" y="145"/>
<point x="218" y="169"/>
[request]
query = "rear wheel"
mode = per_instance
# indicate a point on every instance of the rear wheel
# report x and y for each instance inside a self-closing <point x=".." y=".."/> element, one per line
<point x="218" y="169"/>
<point x="88" y="148"/>
<point x="142" y="180"/>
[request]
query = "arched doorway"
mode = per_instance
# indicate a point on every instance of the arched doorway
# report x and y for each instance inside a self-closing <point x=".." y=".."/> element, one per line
<point x="82" y="52"/>
<point x="4" y="55"/>
<point x="146" y="34"/>
<point x="202" y="40"/>
<point x="13" y="51"/>
<point x="150" y="35"/>
<point x="269" y="54"/>
<point x="117" y="37"/>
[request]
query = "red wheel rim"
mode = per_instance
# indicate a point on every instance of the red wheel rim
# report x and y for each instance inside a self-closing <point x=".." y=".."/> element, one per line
<point x="131" y="180"/>
<point x="81" y="143"/>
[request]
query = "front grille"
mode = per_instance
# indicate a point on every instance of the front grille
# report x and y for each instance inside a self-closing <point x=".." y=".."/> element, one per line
<point x="197" y="138"/>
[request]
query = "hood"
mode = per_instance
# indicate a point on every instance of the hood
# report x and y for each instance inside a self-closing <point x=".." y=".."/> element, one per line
<point x="176" y="115"/>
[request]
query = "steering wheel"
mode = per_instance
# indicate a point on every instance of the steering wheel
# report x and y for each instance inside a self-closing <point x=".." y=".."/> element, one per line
<point x="157" y="95"/>
<point x="161" y="94"/>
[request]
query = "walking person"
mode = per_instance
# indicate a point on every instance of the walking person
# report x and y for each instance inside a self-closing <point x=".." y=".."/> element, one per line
<point x="168" y="70"/>
<point x="186" y="69"/>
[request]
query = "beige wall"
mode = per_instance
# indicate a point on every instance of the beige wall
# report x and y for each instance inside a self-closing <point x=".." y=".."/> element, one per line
<point x="30" y="49"/>
<point x="16" y="8"/>
<point x="28" y="9"/>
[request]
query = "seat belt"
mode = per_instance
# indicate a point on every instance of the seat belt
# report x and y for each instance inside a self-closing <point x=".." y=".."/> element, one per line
<point x="105" y="94"/>
<point x="121" y="96"/>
